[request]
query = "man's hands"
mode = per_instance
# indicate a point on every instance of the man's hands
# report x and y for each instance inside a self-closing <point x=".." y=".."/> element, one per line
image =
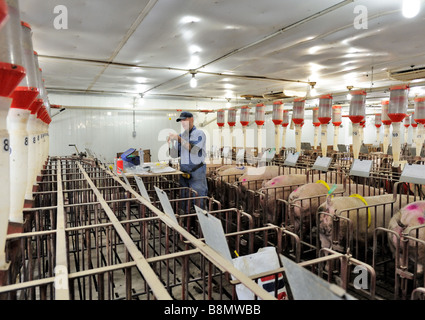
<point x="172" y="137"/>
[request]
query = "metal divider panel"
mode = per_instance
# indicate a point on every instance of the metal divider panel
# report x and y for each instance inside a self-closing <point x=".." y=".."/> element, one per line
<point x="213" y="232"/>
<point x="305" y="285"/>
<point x="166" y="205"/>
<point x="142" y="188"/>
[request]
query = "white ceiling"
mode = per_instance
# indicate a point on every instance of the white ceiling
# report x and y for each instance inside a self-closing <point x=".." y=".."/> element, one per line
<point x="238" y="47"/>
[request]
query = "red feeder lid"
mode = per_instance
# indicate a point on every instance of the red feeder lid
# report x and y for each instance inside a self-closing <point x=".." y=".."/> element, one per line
<point x="400" y="87"/>
<point x="278" y="102"/>
<point x="299" y="99"/>
<point x="23" y="97"/>
<point x="419" y="99"/>
<point x="36" y="105"/>
<point x="326" y="96"/>
<point x="10" y="77"/>
<point x="358" y="92"/>
<point x="385" y="102"/>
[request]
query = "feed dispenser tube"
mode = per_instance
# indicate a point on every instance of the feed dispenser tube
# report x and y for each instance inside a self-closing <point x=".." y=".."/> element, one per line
<point x="5" y="185"/>
<point x="325" y="116"/>
<point x="414" y="125"/>
<point x="3" y="12"/>
<point x="231" y="121"/>
<point x="277" y="119"/>
<point x="12" y="70"/>
<point x="406" y="123"/>
<point x="336" y="121"/>
<point x="357" y="115"/>
<point x="316" y="124"/>
<point x="378" y="124"/>
<point x="260" y="114"/>
<point x="220" y="123"/>
<point x="244" y="119"/>
<point x="419" y="117"/>
<point x="298" y="119"/>
<point x="386" y="121"/>
<point x="285" y="124"/>
<point x="397" y="111"/>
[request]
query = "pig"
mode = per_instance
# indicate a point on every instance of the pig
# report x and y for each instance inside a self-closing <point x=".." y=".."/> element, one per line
<point x="363" y="227"/>
<point x="279" y="187"/>
<point x="412" y="215"/>
<point x="252" y="181"/>
<point x="272" y="190"/>
<point x="227" y="175"/>
<point x="305" y="200"/>
<point x="231" y="174"/>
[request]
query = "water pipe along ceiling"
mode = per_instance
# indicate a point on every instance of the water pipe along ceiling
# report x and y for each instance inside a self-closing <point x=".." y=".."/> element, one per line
<point x="237" y="50"/>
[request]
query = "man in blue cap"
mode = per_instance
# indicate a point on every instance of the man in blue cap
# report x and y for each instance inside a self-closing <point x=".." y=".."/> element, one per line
<point x="191" y="148"/>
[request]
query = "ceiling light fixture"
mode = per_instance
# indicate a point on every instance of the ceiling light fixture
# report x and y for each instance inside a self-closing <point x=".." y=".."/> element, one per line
<point x="313" y="91"/>
<point x="349" y="90"/>
<point x="193" y="81"/>
<point x="410" y="8"/>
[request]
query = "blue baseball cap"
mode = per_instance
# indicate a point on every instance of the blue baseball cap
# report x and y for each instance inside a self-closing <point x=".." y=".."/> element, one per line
<point x="184" y="115"/>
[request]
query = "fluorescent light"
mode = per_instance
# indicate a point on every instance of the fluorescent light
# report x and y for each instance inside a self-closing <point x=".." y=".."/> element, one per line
<point x="189" y="19"/>
<point x="411" y="8"/>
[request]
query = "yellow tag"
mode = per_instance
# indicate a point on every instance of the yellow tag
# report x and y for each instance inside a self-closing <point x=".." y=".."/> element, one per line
<point x="324" y="183"/>
<point x="369" y="217"/>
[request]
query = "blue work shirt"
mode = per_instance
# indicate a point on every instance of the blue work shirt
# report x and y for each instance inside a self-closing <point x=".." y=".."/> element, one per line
<point x="190" y="159"/>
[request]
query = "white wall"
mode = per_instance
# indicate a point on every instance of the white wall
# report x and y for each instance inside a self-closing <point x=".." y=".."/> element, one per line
<point x="108" y="131"/>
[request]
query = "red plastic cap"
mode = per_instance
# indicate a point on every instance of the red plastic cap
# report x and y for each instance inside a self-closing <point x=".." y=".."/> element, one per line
<point x="10" y="77"/>
<point x="25" y="24"/>
<point x="336" y="107"/>
<point x="23" y="97"/>
<point x="385" y="102"/>
<point x="419" y="99"/>
<point x="278" y="102"/>
<point x="326" y="96"/>
<point x="245" y="107"/>
<point x="36" y="105"/>
<point x="299" y="99"/>
<point x="260" y="105"/>
<point x="400" y="87"/>
<point x="358" y="92"/>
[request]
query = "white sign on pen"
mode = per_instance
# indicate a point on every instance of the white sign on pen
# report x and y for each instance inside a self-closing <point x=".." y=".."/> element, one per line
<point x="322" y="163"/>
<point x="413" y="173"/>
<point x="361" y="168"/>
<point x="291" y="159"/>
